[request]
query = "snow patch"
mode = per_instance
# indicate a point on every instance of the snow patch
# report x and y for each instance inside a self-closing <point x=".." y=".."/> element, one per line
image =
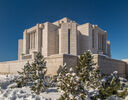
<point x="8" y="93"/>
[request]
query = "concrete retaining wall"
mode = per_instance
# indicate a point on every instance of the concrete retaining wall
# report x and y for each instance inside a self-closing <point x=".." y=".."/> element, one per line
<point x="109" y="65"/>
<point x="53" y="64"/>
<point x="11" y="67"/>
<point x="106" y="64"/>
<point x="126" y="60"/>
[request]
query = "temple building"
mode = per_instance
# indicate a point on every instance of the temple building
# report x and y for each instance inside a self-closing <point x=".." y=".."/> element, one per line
<point x="63" y="37"/>
<point x="62" y="42"/>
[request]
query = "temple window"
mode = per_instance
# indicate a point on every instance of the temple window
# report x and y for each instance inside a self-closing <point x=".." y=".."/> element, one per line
<point x="68" y="41"/>
<point x="101" y="42"/>
<point x="93" y="46"/>
<point x="32" y="40"/>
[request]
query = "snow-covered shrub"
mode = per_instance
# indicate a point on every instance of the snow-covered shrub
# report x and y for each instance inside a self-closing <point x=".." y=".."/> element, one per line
<point x="38" y="74"/>
<point x="69" y="85"/>
<point x="89" y="74"/>
<point x="24" y="78"/>
<point x="88" y="82"/>
<point x="51" y="81"/>
<point x="33" y="75"/>
<point x="112" y="85"/>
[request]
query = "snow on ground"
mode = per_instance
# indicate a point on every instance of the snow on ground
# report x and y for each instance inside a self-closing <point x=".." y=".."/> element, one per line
<point x="6" y="93"/>
<point x="25" y="94"/>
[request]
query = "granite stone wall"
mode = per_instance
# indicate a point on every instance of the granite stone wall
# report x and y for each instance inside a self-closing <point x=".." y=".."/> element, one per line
<point x="53" y="64"/>
<point x="105" y="63"/>
<point x="109" y="65"/>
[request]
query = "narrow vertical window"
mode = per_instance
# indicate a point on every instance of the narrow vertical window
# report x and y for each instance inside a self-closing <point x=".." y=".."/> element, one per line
<point x="29" y="41"/>
<point x="103" y="42"/>
<point x="68" y="41"/>
<point x="32" y="40"/>
<point x="98" y="41"/>
<point x="93" y="39"/>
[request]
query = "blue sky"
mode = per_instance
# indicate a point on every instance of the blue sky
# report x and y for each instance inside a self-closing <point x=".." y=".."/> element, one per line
<point x="17" y="15"/>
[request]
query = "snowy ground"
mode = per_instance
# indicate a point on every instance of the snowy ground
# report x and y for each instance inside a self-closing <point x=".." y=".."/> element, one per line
<point x="6" y="93"/>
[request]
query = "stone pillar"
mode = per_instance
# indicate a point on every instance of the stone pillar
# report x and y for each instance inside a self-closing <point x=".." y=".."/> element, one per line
<point x="26" y="42"/>
<point x="96" y="41"/>
<point x="73" y="39"/>
<point x="45" y="40"/>
<point x="57" y="41"/>
<point x="60" y="41"/>
<point x="20" y="49"/>
<point x="104" y="42"/>
<point x="108" y="49"/>
<point x="38" y="38"/>
<point x="52" y="39"/>
<point x="64" y="38"/>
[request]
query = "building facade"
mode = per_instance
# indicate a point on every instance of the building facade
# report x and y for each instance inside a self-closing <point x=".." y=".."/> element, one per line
<point x="63" y="37"/>
<point x="62" y="42"/>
